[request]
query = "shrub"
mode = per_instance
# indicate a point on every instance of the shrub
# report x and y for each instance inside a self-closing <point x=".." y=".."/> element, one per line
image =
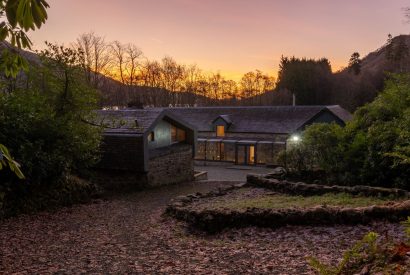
<point x="373" y="149"/>
<point x="370" y="255"/>
<point x="44" y="125"/>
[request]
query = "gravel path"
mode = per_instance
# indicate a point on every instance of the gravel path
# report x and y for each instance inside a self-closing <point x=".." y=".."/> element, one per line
<point x="129" y="234"/>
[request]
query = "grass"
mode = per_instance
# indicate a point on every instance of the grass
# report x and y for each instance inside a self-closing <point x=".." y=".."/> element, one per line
<point x="288" y="201"/>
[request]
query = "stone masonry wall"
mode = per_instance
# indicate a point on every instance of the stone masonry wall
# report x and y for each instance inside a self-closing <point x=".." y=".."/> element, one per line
<point x="175" y="166"/>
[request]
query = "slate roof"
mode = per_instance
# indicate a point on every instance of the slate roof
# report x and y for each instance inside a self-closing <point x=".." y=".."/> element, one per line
<point x="252" y="119"/>
<point x="128" y="121"/>
<point x="257" y="119"/>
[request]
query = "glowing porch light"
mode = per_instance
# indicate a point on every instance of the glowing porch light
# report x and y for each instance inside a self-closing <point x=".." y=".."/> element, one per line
<point x="295" y="138"/>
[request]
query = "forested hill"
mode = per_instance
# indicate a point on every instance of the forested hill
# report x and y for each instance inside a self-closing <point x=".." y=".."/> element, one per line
<point x="345" y="87"/>
<point x="353" y="90"/>
<point x="311" y="80"/>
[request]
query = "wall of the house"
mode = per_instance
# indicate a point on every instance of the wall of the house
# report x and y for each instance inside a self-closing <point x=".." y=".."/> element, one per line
<point x="162" y="135"/>
<point x="250" y="136"/>
<point x="171" y="165"/>
<point x="122" y="152"/>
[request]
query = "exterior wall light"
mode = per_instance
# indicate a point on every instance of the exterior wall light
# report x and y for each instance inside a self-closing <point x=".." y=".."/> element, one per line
<point x="295" y="138"/>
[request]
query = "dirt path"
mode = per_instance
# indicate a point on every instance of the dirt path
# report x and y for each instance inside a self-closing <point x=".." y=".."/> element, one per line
<point x="128" y="234"/>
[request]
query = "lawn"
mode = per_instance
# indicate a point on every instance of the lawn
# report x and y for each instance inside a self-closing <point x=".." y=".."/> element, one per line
<point x="278" y="201"/>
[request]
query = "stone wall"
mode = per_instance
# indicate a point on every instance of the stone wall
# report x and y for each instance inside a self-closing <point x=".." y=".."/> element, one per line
<point x="173" y="165"/>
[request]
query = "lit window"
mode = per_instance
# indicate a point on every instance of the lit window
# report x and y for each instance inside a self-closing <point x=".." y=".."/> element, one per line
<point x="151" y="136"/>
<point x="174" y="137"/>
<point x="181" y="136"/>
<point x="177" y="135"/>
<point x="220" y="131"/>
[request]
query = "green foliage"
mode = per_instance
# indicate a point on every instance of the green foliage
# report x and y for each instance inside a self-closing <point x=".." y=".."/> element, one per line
<point x="7" y="160"/>
<point x="373" y="149"/>
<point x="321" y="147"/>
<point x="22" y="16"/>
<point x="406" y="224"/>
<point x="354" y="259"/>
<point x="308" y="79"/>
<point x="45" y="123"/>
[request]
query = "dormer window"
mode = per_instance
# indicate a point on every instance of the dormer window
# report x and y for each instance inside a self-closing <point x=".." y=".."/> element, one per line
<point x="220" y="131"/>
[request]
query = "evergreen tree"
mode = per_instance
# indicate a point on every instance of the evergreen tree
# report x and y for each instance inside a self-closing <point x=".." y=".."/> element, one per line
<point x="389" y="48"/>
<point x="309" y="80"/>
<point x="355" y="64"/>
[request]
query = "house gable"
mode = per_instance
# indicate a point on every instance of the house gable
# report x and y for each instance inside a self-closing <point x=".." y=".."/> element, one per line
<point x="324" y="116"/>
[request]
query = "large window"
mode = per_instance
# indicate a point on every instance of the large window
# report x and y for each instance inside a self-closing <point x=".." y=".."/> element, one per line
<point x="220" y="131"/>
<point x="177" y="135"/>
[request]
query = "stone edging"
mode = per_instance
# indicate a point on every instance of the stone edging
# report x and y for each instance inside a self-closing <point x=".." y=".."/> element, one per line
<point x="305" y="189"/>
<point x="213" y="221"/>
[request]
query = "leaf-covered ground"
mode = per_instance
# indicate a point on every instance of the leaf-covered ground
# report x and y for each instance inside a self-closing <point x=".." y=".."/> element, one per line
<point x="129" y="234"/>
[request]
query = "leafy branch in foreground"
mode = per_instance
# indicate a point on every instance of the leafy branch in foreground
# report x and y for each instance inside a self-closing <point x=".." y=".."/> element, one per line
<point x="7" y="160"/>
<point x="20" y="17"/>
<point x="370" y="255"/>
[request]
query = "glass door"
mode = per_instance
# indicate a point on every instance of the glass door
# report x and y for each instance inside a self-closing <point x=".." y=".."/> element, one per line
<point x="241" y="154"/>
<point x="250" y="154"/>
<point x="245" y="154"/>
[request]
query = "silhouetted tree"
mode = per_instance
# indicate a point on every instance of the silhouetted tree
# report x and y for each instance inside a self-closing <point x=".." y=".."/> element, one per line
<point x="355" y="63"/>
<point x="309" y="79"/>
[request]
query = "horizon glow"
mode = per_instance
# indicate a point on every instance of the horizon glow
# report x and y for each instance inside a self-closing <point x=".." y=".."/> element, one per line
<point x="231" y="36"/>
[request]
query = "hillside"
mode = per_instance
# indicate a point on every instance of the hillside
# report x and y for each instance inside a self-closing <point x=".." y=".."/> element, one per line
<point x="347" y="89"/>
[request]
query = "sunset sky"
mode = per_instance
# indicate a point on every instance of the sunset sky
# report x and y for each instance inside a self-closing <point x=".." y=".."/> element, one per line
<point x="231" y="36"/>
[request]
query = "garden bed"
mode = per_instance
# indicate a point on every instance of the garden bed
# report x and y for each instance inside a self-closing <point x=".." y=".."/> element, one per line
<point x="282" y="203"/>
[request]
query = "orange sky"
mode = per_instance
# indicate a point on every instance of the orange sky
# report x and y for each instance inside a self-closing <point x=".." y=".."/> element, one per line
<point x="231" y="36"/>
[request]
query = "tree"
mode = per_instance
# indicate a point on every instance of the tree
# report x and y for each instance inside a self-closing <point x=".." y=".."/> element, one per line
<point x="308" y="79"/>
<point x="355" y="63"/>
<point x="46" y="122"/>
<point x="389" y="48"/>
<point x="96" y="56"/>
<point x="21" y="16"/>
<point x="119" y="60"/>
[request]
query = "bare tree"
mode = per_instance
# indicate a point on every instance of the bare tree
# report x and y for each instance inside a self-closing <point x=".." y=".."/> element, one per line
<point x="96" y="56"/>
<point x="118" y="51"/>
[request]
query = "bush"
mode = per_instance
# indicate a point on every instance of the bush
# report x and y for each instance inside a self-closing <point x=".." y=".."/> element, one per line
<point x="371" y="255"/>
<point x="373" y="149"/>
<point x="44" y="125"/>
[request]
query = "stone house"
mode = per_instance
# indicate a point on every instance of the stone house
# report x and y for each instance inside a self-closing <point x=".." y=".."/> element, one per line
<point x="252" y="135"/>
<point x="145" y="147"/>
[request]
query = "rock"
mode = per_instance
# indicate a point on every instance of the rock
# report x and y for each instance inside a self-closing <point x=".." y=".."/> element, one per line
<point x="278" y="173"/>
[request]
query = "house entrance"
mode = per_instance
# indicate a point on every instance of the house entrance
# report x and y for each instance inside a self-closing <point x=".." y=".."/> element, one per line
<point x="245" y="154"/>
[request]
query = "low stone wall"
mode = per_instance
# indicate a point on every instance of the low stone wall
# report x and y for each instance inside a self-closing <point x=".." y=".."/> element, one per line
<point x="213" y="221"/>
<point x="305" y="189"/>
<point x="174" y="166"/>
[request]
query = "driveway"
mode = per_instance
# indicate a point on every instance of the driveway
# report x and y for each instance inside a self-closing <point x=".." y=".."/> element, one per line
<point x="231" y="172"/>
<point x="130" y="235"/>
